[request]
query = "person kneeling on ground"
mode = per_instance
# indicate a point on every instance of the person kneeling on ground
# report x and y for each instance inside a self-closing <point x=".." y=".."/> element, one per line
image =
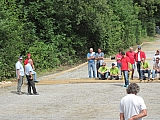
<point x="156" y="68"/>
<point x="114" y="71"/>
<point x="145" y="69"/>
<point x="103" y="71"/>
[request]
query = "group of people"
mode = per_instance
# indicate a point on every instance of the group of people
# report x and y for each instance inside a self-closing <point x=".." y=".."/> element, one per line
<point x="125" y="64"/>
<point x="27" y="70"/>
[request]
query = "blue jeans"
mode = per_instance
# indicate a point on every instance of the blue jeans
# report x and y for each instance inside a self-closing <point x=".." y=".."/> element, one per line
<point x="125" y="74"/>
<point x="91" y="66"/>
<point x="145" y="71"/>
<point x="154" y="72"/>
<point x="35" y="75"/>
<point x="105" y="76"/>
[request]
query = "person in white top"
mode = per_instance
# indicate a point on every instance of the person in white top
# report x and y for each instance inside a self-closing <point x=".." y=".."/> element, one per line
<point x="19" y="74"/>
<point x="157" y="55"/>
<point x="132" y="107"/>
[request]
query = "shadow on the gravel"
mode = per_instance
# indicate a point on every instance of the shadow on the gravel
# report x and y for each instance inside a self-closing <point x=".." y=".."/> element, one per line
<point x="120" y="85"/>
<point x="15" y="92"/>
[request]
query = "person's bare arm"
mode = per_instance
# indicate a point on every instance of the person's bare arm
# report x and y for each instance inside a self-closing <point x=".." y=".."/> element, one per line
<point x="142" y="114"/>
<point x="18" y="74"/>
<point x="121" y="116"/>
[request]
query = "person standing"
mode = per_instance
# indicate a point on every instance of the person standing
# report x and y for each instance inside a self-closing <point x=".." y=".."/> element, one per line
<point x="103" y="71"/>
<point x="155" y="56"/>
<point x="19" y="74"/>
<point x="131" y="55"/>
<point x="29" y="76"/>
<point x="138" y="58"/>
<point x="99" y="57"/>
<point x="32" y="64"/>
<point x="125" y="68"/>
<point x="118" y="60"/>
<point x="132" y="107"/>
<point x="91" y="63"/>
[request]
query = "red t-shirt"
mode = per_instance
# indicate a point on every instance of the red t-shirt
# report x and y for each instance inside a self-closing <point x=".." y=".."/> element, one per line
<point x="124" y="62"/>
<point x="26" y="61"/>
<point x="131" y="56"/>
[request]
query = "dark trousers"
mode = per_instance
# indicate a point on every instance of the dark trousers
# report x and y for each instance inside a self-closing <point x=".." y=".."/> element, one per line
<point x="116" y="77"/>
<point x="138" y="68"/>
<point x="31" y="84"/>
<point x="97" y="67"/>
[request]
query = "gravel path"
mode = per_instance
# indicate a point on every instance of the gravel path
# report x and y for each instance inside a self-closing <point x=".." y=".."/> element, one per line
<point x="87" y="101"/>
<point x="74" y="102"/>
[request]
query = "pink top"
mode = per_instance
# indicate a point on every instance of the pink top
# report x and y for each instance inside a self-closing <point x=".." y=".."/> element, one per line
<point x="119" y="56"/>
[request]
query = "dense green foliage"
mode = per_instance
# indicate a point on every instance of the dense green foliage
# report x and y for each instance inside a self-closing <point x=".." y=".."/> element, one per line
<point x="60" y="32"/>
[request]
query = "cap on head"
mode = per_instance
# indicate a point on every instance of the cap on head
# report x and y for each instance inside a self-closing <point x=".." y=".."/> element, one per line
<point x="123" y="53"/>
<point x="113" y="64"/>
<point x="20" y="57"/>
<point x="139" y="47"/>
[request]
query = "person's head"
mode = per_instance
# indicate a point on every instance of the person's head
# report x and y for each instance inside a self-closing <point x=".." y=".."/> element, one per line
<point x="99" y="50"/>
<point x="143" y="60"/>
<point x="157" y="60"/>
<point x="157" y="52"/>
<point x="113" y="65"/>
<point x="20" y="58"/>
<point x="120" y="51"/>
<point x="28" y="55"/>
<point x="91" y="50"/>
<point x="131" y="49"/>
<point x="133" y="88"/>
<point x="123" y="54"/>
<point x="139" y="48"/>
<point x="30" y="61"/>
<point x="103" y="64"/>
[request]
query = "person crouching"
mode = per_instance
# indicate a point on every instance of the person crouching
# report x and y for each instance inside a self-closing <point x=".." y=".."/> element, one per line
<point x="114" y="72"/>
<point x="103" y="71"/>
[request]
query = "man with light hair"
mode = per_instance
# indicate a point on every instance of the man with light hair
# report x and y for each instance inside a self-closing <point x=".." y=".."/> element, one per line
<point x="132" y="107"/>
<point x="91" y="63"/>
<point x="131" y="55"/>
<point x="29" y="76"/>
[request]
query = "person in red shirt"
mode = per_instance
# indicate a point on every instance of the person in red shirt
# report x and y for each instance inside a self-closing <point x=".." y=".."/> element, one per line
<point x="32" y="64"/>
<point x="131" y="55"/>
<point x="125" y="61"/>
<point x="138" y="58"/>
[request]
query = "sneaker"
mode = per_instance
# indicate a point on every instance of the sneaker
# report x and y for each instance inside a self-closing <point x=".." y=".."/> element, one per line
<point x="20" y="93"/>
<point x="125" y="85"/>
<point x="152" y="79"/>
<point x="36" y="81"/>
<point x="36" y="93"/>
<point x="158" y="78"/>
<point x="29" y="94"/>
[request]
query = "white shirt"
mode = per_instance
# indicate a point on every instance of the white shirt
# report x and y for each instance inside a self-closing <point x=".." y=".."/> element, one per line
<point x="19" y="67"/>
<point x="28" y="68"/>
<point x="131" y="105"/>
<point x="139" y="58"/>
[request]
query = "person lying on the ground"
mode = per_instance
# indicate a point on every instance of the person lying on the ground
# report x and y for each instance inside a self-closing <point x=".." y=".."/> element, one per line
<point x="114" y="72"/>
<point x="156" y="68"/>
<point x="103" y="71"/>
<point x="145" y="68"/>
